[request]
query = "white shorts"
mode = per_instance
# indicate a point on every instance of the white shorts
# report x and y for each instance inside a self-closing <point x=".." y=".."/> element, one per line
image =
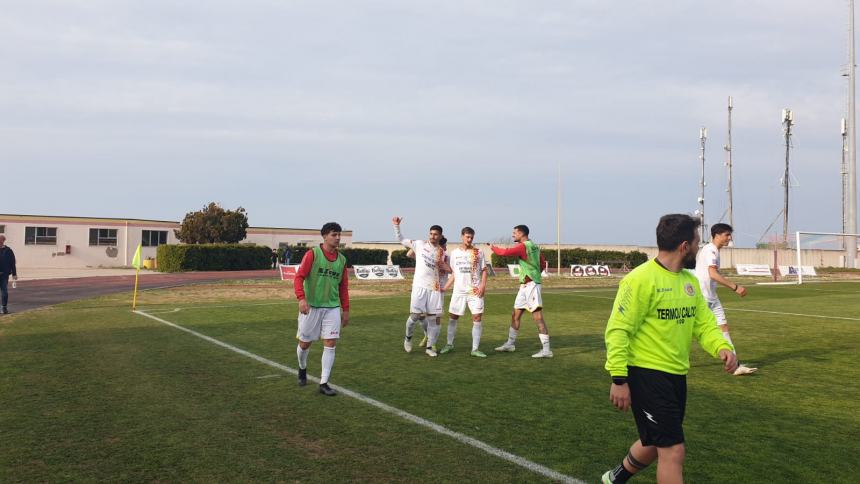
<point x="528" y="297"/>
<point x="319" y="323"/>
<point x="459" y="302"/>
<point x="425" y="301"/>
<point x="717" y="308"/>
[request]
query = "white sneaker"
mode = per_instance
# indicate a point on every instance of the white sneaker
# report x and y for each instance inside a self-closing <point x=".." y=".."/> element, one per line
<point x="508" y="348"/>
<point x="430" y="352"/>
<point x="407" y="345"/>
<point x="744" y="370"/>
<point x="606" y="478"/>
<point x="543" y="354"/>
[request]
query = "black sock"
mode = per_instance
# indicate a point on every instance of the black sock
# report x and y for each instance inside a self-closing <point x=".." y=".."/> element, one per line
<point x="620" y="474"/>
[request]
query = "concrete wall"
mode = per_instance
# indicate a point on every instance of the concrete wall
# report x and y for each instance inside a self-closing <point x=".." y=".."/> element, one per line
<point x="75" y="231"/>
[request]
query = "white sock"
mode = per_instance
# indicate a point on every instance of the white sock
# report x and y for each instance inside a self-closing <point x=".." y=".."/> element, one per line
<point x="410" y="327"/>
<point x="327" y="363"/>
<point x="433" y="334"/>
<point x="452" y="331"/>
<point x="728" y="338"/>
<point x="477" y="329"/>
<point x="512" y="336"/>
<point x="303" y="356"/>
<point x="544" y="340"/>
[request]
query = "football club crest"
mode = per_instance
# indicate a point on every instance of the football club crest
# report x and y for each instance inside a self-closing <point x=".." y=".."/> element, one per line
<point x="688" y="288"/>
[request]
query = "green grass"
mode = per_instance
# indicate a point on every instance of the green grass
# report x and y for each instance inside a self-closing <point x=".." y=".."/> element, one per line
<point x="91" y="392"/>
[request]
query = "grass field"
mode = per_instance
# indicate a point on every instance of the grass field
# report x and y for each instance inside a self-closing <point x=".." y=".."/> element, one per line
<point x="92" y="392"/>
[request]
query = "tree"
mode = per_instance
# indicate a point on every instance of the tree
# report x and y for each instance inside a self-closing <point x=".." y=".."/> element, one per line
<point x="213" y="224"/>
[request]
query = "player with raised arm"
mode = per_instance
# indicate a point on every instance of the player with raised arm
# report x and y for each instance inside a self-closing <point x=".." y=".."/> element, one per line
<point x="708" y="273"/>
<point x="528" y="298"/>
<point x="426" y="288"/>
<point x="321" y="288"/>
<point x="470" y="282"/>
<point x="658" y="310"/>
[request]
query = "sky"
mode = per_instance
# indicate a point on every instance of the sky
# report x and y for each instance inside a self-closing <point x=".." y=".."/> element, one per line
<point x="445" y="112"/>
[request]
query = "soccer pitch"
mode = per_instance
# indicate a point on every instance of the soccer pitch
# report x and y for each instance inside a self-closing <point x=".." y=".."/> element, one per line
<point x="92" y="392"/>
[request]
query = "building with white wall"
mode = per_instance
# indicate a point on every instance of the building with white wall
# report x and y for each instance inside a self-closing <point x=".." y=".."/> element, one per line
<point x="76" y="242"/>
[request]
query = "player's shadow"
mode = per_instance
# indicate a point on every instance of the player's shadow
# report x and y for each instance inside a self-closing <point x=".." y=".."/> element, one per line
<point x="763" y="360"/>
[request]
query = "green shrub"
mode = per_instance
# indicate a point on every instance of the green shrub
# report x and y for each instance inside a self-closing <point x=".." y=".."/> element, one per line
<point x="353" y="256"/>
<point x="213" y="257"/>
<point x="398" y="257"/>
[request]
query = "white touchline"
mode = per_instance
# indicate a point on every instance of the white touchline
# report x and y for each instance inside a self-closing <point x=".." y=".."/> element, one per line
<point x="515" y="459"/>
<point x="792" y="314"/>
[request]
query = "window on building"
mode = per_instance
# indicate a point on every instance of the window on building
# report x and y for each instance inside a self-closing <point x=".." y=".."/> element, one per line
<point x="40" y="235"/>
<point x="103" y="237"/>
<point x="2" y="229"/>
<point x="153" y="238"/>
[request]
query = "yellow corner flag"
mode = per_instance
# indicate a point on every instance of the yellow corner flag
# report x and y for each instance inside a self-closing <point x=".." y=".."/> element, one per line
<point x="135" y="262"/>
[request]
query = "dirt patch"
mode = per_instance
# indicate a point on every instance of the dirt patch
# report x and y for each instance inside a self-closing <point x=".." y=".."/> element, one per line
<point x="313" y="448"/>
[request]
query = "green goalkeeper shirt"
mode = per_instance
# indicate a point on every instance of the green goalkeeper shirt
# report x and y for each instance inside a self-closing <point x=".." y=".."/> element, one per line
<point x="655" y="316"/>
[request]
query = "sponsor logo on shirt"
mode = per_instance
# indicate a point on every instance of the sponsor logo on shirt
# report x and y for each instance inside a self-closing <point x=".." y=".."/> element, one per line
<point x="680" y="315"/>
<point x="664" y="289"/>
<point x="323" y="272"/>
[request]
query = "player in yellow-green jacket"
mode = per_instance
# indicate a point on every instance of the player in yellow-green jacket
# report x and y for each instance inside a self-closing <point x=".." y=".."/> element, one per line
<point x="657" y="312"/>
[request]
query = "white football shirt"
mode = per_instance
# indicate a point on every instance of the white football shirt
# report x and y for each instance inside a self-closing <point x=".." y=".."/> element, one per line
<point x="708" y="256"/>
<point x="467" y="266"/>
<point x="427" y="258"/>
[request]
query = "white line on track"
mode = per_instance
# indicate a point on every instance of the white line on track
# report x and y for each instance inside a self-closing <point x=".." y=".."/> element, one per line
<point x="512" y="458"/>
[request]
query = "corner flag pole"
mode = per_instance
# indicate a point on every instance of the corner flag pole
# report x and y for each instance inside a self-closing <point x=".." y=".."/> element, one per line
<point x="135" y="262"/>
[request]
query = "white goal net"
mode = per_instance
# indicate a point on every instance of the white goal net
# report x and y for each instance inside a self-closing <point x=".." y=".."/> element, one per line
<point x="820" y="250"/>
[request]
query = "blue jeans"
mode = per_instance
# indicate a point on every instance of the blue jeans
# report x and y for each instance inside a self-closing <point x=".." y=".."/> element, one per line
<point x="4" y="288"/>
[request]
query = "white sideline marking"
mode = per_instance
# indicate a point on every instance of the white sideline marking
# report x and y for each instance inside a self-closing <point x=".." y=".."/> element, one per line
<point x="792" y="314"/>
<point x="515" y="459"/>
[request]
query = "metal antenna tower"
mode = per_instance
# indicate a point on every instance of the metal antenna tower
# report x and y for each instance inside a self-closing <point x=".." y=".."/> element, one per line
<point x="843" y="172"/>
<point x="787" y="121"/>
<point x="728" y="149"/>
<point x="703" y="136"/>
<point x="851" y="242"/>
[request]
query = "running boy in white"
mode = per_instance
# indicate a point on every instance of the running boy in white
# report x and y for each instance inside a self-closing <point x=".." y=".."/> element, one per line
<point x="470" y="282"/>
<point x="708" y="273"/>
<point x="426" y="287"/>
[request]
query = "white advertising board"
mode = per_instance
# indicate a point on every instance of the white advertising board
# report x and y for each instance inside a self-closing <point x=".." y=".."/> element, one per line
<point x="377" y="272"/>
<point x="792" y="270"/>
<point x="753" y="270"/>
<point x="578" y="270"/>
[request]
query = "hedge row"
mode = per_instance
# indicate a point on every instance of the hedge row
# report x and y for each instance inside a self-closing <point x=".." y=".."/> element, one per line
<point x="398" y="257"/>
<point x="612" y="258"/>
<point x="212" y="257"/>
<point x="353" y="256"/>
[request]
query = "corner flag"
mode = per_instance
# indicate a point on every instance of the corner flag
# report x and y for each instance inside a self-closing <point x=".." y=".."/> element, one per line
<point x="135" y="262"/>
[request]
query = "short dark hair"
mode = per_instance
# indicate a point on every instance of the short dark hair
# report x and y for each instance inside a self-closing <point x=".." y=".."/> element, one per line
<point x="330" y="227"/>
<point x="443" y="241"/>
<point x="523" y="229"/>
<point x="437" y="228"/>
<point x="717" y="229"/>
<point x="674" y="229"/>
<point x="467" y="230"/>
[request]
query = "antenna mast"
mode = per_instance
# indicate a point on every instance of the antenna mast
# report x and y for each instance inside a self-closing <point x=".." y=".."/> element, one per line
<point x="703" y="136"/>
<point x="728" y="149"/>
<point x="787" y="121"/>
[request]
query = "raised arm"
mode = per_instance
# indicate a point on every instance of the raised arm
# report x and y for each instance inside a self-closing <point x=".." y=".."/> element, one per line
<point x="518" y="250"/>
<point x="408" y="243"/>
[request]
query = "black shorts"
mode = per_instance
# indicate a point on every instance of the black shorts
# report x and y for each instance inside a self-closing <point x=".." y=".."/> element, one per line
<point x="658" y="400"/>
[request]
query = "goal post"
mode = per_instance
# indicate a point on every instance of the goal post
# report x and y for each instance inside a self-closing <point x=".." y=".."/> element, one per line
<point x="821" y="249"/>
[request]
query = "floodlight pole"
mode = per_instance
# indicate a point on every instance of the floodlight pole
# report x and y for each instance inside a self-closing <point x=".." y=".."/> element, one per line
<point x="851" y="242"/>
<point x="728" y="149"/>
<point x="787" y="121"/>
<point x="703" y="136"/>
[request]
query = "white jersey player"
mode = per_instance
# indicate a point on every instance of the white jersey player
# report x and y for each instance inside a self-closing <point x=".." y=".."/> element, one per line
<point x="426" y="287"/>
<point x="470" y="282"/>
<point x="708" y="273"/>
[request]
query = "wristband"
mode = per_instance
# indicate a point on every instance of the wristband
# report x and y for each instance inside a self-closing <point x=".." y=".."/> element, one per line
<point x="619" y="380"/>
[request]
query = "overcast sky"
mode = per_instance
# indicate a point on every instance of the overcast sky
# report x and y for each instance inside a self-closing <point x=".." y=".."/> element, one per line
<point x="448" y="112"/>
